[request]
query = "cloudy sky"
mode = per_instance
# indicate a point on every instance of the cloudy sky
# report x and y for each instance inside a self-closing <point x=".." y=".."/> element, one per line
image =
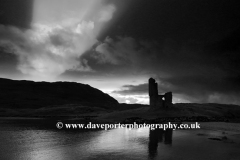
<point x="190" y="47"/>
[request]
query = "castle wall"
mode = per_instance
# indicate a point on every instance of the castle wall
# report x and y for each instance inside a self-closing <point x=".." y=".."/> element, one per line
<point x="168" y="99"/>
<point x="156" y="100"/>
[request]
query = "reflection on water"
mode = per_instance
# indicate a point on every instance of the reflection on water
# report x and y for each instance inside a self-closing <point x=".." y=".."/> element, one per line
<point x="156" y="136"/>
<point x="28" y="142"/>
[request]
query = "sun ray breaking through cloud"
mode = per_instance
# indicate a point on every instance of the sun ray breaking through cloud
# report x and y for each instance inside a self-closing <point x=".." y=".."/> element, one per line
<point x="61" y="32"/>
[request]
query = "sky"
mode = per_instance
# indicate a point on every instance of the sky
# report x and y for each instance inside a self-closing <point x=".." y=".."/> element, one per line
<point x="190" y="47"/>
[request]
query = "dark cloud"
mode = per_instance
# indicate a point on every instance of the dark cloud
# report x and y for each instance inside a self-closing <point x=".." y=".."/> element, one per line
<point x="133" y="90"/>
<point x="192" y="89"/>
<point x="120" y="51"/>
<point x="196" y="73"/>
<point x="230" y="43"/>
<point x="8" y="63"/>
<point x="190" y="47"/>
<point x="13" y="14"/>
<point x="50" y="53"/>
<point x="16" y="13"/>
<point x="193" y="71"/>
<point x="201" y="20"/>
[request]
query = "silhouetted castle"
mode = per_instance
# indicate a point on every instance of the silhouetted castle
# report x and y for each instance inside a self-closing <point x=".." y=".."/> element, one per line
<point x="158" y="100"/>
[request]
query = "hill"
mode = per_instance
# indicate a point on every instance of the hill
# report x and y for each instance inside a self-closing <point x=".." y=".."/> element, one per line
<point x="28" y="94"/>
<point x="71" y="100"/>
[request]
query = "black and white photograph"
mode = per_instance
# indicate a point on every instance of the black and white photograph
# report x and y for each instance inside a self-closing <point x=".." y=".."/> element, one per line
<point x="119" y="80"/>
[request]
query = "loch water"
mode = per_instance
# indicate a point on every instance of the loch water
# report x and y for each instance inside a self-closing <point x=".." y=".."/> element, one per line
<point x="31" y="140"/>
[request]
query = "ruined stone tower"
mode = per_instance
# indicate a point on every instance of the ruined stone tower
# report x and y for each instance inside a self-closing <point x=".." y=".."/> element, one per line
<point x="168" y="99"/>
<point x="153" y="91"/>
<point x="156" y="100"/>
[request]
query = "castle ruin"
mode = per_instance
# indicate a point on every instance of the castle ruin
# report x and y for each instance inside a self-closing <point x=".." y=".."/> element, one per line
<point x="159" y="101"/>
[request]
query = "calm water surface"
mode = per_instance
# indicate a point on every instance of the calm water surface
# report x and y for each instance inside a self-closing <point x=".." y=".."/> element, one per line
<point x="22" y="141"/>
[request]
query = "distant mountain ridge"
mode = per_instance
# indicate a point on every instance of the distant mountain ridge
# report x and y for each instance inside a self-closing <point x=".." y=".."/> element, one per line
<point x="30" y="94"/>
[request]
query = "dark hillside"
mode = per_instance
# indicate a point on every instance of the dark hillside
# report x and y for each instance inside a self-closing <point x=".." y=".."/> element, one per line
<point x="29" y="94"/>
